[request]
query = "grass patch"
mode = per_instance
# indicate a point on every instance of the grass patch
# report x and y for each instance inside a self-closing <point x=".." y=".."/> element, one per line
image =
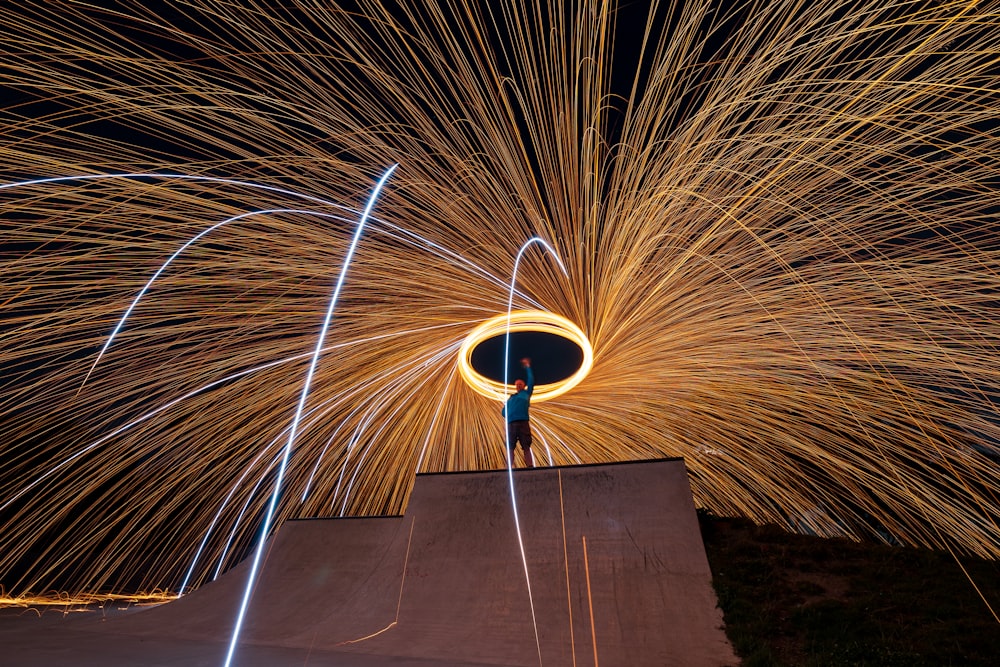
<point x="799" y="601"/>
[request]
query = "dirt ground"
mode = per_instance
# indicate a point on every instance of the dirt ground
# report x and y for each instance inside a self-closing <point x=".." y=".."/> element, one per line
<point x="801" y="601"/>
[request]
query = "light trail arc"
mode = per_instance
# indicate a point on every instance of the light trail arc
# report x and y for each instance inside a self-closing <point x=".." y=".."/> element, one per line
<point x="265" y="529"/>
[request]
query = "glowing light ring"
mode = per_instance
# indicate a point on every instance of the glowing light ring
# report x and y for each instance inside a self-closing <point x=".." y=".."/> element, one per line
<point x="524" y="320"/>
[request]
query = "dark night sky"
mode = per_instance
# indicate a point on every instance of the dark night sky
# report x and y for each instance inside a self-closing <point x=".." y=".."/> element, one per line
<point x="553" y="357"/>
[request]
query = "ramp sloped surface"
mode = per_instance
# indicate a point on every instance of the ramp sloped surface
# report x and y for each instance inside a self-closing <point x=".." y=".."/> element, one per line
<point x="613" y="572"/>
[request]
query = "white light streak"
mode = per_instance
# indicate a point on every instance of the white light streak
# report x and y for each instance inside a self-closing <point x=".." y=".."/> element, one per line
<point x="251" y="579"/>
<point x="510" y="460"/>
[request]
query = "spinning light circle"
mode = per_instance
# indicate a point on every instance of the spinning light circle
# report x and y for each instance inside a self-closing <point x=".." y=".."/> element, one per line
<point x="524" y="320"/>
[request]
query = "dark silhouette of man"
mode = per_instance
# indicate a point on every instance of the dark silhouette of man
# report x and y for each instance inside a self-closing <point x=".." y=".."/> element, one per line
<point x="516" y="412"/>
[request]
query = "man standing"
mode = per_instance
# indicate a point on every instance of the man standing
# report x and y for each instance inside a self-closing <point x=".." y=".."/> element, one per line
<point x="516" y="412"/>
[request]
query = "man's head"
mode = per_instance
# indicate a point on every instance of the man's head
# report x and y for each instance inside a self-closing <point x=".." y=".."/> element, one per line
<point x="519" y="384"/>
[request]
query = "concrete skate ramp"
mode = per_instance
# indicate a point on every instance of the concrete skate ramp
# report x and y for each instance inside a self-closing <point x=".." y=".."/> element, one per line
<point x="613" y="572"/>
<point x="320" y="576"/>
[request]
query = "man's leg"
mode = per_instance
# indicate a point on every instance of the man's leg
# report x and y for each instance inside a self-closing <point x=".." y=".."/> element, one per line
<point x="526" y="444"/>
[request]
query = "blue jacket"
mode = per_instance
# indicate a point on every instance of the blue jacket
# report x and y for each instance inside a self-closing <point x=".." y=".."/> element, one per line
<point x="517" y="405"/>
